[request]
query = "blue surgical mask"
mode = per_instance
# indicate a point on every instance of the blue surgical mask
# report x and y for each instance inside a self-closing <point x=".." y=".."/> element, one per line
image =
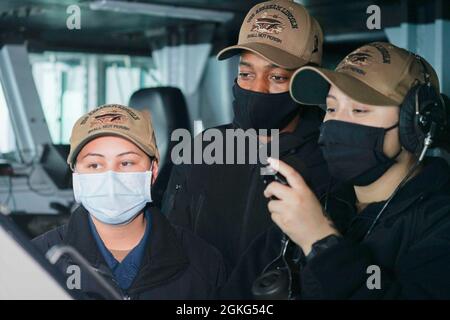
<point x="113" y="197"/>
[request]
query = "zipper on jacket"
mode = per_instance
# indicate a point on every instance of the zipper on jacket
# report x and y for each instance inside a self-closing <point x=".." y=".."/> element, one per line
<point x="198" y="210"/>
<point x="171" y="198"/>
<point x="115" y="284"/>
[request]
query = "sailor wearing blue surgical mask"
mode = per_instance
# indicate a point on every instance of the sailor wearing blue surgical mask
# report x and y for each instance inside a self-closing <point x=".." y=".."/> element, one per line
<point x="116" y="228"/>
<point x="112" y="178"/>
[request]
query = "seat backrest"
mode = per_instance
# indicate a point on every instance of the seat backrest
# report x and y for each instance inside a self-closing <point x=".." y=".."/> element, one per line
<point x="168" y="108"/>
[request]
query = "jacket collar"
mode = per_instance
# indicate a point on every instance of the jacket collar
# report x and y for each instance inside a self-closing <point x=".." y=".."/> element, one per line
<point x="433" y="178"/>
<point x="164" y="256"/>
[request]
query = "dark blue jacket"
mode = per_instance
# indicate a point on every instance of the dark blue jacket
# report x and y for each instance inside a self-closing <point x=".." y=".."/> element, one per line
<point x="176" y="264"/>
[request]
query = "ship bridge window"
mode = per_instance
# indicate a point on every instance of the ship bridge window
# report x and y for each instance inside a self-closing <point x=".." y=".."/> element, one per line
<point x="70" y="84"/>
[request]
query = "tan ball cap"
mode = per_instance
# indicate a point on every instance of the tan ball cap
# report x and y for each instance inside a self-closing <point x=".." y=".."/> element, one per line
<point x="376" y="74"/>
<point x="282" y="32"/>
<point x="117" y="120"/>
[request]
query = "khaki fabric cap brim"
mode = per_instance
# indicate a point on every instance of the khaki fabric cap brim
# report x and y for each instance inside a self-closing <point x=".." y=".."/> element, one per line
<point x="310" y="86"/>
<point x="275" y="55"/>
<point x="73" y="155"/>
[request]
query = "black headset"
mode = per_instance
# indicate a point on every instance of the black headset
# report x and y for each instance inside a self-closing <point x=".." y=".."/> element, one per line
<point x="423" y="123"/>
<point x="423" y="117"/>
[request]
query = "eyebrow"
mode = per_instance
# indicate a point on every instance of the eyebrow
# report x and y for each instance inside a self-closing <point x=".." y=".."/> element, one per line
<point x="245" y="63"/>
<point x="127" y="153"/>
<point x="93" y="155"/>
<point x="331" y="96"/>
<point x="248" y="64"/>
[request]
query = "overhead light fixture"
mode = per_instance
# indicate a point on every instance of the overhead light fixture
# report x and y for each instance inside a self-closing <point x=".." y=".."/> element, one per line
<point x="167" y="11"/>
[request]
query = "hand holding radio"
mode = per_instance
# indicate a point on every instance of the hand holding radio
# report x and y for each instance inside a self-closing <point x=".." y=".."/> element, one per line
<point x="295" y="208"/>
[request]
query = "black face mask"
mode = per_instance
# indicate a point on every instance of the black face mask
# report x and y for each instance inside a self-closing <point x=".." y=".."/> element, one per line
<point x="256" y="110"/>
<point x="354" y="153"/>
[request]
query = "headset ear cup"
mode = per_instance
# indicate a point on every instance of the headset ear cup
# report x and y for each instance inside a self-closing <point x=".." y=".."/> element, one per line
<point x="410" y="138"/>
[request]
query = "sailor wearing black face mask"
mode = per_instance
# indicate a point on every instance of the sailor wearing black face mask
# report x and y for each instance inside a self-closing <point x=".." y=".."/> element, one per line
<point x="259" y="110"/>
<point x="355" y="152"/>
<point x="391" y="241"/>
<point x="224" y="203"/>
